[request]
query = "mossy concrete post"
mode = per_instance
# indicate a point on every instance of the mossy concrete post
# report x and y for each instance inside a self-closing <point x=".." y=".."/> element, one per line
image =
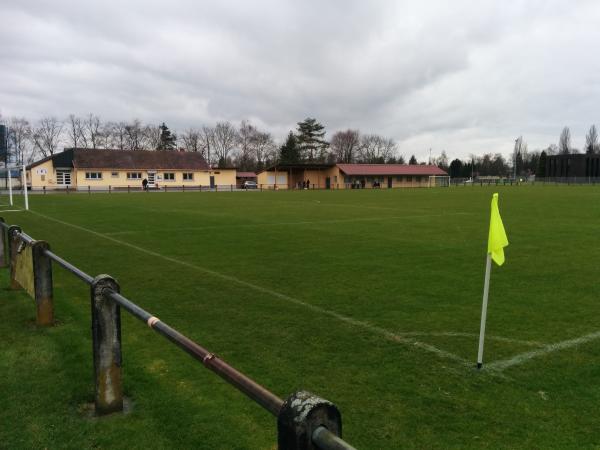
<point x="106" y="336"/>
<point x="13" y="248"/>
<point x="3" y="252"/>
<point x="42" y="282"/>
<point x="301" y="414"/>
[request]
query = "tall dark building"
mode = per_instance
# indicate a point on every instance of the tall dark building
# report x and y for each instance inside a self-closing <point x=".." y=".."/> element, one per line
<point x="3" y="144"/>
<point x="582" y="165"/>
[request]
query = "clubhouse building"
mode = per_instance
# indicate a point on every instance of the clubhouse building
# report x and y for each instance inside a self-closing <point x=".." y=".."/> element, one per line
<point x="349" y="176"/>
<point x="102" y="169"/>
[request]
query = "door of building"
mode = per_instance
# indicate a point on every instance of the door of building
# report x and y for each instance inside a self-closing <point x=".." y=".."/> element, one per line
<point x="151" y="179"/>
<point x="328" y="183"/>
<point x="63" y="178"/>
<point x="389" y="182"/>
<point x="212" y="181"/>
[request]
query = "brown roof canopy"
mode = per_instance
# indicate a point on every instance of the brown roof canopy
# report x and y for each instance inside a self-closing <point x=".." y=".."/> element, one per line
<point x="390" y="169"/>
<point x="83" y="158"/>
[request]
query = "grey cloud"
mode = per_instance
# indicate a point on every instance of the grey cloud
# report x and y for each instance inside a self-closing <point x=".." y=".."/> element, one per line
<point x="463" y="76"/>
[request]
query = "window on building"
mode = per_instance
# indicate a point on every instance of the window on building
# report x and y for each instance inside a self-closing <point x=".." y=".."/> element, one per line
<point x="409" y="178"/>
<point x="93" y="175"/>
<point x="398" y="178"/>
<point x="63" y="177"/>
<point x="188" y="176"/>
<point x="114" y="174"/>
<point x="134" y="175"/>
<point x="418" y="178"/>
<point x="169" y="176"/>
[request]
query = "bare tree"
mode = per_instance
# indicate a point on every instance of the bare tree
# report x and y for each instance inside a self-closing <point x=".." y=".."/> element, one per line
<point x="116" y="135"/>
<point x="591" y="141"/>
<point x="192" y="140"/>
<point x="564" y="142"/>
<point x="207" y="137"/>
<point x="46" y="136"/>
<point x="19" y="138"/>
<point x="75" y="132"/>
<point x="442" y="161"/>
<point x="93" y="129"/>
<point x="263" y="147"/>
<point x="246" y="136"/>
<point x="345" y="145"/>
<point x="552" y="149"/>
<point x="151" y="137"/>
<point x="224" y="140"/>
<point x="133" y="135"/>
<point x="376" y="149"/>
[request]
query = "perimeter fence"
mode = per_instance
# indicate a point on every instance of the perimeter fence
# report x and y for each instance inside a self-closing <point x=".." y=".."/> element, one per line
<point x="304" y="420"/>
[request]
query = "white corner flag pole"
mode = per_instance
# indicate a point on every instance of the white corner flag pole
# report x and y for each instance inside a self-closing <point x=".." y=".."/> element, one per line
<point x="24" y="183"/>
<point x="486" y="290"/>
<point x="10" y="199"/>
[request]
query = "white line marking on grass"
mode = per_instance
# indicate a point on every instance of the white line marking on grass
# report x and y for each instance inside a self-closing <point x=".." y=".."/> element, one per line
<point x="473" y="335"/>
<point x="357" y="323"/>
<point x="276" y="224"/>
<point x="11" y="210"/>
<point x="550" y="348"/>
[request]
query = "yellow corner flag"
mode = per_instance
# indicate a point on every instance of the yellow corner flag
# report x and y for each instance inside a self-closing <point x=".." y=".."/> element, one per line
<point x="497" y="239"/>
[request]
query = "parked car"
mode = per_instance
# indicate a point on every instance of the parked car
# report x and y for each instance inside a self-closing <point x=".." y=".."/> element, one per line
<point x="249" y="185"/>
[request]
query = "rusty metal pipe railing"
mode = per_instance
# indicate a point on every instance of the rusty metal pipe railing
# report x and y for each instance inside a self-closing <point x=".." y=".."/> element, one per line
<point x="303" y="419"/>
<point x="326" y="440"/>
<point x="255" y="391"/>
<point x="70" y="267"/>
<point x="25" y="237"/>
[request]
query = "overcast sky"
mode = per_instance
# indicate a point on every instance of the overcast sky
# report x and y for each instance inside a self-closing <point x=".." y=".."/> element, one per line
<point x="464" y="76"/>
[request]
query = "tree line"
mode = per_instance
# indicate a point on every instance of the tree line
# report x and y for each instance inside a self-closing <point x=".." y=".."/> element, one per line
<point x="223" y="144"/>
<point x="524" y="162"/>
<point x="249" y="148"/>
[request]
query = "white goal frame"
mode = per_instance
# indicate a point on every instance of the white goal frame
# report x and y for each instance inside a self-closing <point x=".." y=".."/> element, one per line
<point x="439" y="181"/>
<point x="23" y="188"/>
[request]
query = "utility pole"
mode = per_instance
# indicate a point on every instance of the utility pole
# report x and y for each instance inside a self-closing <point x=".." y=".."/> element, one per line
<point x="515" y="158"/>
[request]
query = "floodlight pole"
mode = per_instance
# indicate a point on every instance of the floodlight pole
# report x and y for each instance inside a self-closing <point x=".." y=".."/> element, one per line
<point x="10" y="196"/>
<point x="24" y="183"/>
<point x="486" y="290"/>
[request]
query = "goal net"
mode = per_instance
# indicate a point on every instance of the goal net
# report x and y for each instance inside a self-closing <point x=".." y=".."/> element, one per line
<point x="13" y="189"/>
<point x="439" y="181"/>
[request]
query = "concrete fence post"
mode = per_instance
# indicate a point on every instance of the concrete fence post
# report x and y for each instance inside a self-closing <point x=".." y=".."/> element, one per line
<point x="3" y="252"/>
<point x="106" y="337"/>
<point x="13" y="249"/>
<point x="301" y="414"/>
<point x="42" y="281"/>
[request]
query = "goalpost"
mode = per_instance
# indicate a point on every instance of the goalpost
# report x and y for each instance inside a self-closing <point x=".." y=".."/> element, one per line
<point x="13" y="189"/>
<point x="439" y="181"/>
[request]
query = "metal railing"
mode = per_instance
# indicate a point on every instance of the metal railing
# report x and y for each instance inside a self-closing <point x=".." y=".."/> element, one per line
<point x="304" y="420"/>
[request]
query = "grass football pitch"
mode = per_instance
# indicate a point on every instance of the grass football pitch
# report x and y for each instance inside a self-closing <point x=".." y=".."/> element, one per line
<point x="370" y="299"/>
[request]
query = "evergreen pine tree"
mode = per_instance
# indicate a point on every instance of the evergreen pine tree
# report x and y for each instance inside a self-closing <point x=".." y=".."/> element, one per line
<point x="289" y="152"/>
<point x="167" y="139"/>
<point x="413" y="160"/>
<point x="311" y="139"/>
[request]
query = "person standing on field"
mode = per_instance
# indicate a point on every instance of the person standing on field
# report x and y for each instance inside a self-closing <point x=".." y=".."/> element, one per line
<point x="145" y="184"/>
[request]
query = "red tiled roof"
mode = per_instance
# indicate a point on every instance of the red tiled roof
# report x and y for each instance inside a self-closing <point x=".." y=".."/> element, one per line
<point x="137" y="159"/>
<point x="390" y="169"/>
<point x="245" y="175"/>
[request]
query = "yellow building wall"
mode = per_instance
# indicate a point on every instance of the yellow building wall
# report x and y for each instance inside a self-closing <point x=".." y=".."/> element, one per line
<point x="398" y="181"/>
<point x="267" y="179"/>
<point x="37" y="179"/>
<point x="44" y="175"/>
